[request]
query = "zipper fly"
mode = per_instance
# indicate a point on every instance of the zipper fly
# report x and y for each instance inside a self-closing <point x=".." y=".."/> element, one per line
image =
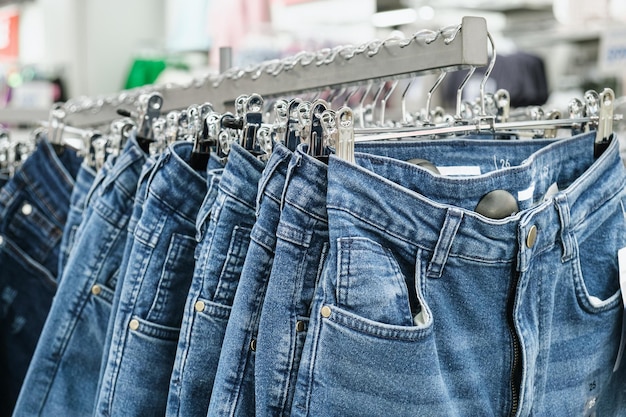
<point x="516" y="366"/>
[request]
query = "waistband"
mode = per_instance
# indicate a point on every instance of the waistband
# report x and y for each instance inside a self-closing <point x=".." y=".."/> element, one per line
<point x="84" y="180"/>
<point x="386" y="198"/>
<point x="479" y="167"/>
<point x="272" y="180"/>
<point x="175" y="183"/>
<point x="241" y="176"/>
<point x="47" y="178"/>
<point x="306" y="184"/>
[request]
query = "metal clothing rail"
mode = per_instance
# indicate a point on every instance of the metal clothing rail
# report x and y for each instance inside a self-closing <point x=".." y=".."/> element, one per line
<point x="449" y="49"/>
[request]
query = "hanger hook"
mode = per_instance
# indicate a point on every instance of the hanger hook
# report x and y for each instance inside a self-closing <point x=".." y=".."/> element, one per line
<point x="459" y="92"/>
<point x="405" y="119"/>
<point x="383" y="102"/>
<point x="362" y="103"/>
<point x="377" y="98"/>
<point x="430" y="93"/>
<point x="483" y="83"/>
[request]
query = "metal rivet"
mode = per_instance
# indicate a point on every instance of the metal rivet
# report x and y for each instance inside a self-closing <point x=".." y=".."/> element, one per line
<point x="96" y="289"/>
<point x="27" y="209"/>
<point x="300" y="326"/>
<point x="253" y="345"/>
<point x="532" y="236"/>
<point x="199" y="306"/>
<point x="1" y="240"/>
<point x="134" y="324"/>
<point x="326" y="312"/>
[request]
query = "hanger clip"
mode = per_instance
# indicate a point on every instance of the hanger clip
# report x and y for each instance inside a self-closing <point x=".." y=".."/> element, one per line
<point x="604" y="135"/>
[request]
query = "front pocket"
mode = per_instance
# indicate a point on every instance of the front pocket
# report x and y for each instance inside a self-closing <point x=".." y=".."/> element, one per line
<point x="370" y="283"/>
<point x="170" y="293"/>
<point x="364" y="368"/>
<point x="596" y="270"/>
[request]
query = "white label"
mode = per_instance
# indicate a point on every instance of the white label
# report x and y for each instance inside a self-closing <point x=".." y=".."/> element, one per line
<point x="621" y="258"/>
<point x="526" y="194"/>
<point x="460" y="171"/>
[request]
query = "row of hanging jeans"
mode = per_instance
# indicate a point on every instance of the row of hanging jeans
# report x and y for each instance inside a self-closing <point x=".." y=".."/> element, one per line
<point x="295" y="287"/>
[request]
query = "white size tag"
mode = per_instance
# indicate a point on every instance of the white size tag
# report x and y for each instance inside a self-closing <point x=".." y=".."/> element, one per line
<point x="526" y="194"/>
<point x="460" y="171"/>
<point x="621" y="257"/>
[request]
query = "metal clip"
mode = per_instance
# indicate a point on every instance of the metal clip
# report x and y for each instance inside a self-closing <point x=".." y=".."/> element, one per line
<point x="605" y="125"/>
<point x="345" y="123"/>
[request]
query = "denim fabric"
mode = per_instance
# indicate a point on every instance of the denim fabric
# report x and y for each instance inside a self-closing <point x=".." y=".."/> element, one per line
<point x="300" y="255"/>
<point x="4" y="178"/>
<point x="422" y="301"/>
<point x="140" y="197"/>
<point x="33" y="210"/>
<point x="84" y="179"/>
<point x="160" y="266"/>
<point x="301" y="246"/>
<point x="224" y="242"/>
<point x="62" y="377"/>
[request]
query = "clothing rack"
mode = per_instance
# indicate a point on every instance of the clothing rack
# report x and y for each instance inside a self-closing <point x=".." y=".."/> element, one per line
<point x="450" y="49"/>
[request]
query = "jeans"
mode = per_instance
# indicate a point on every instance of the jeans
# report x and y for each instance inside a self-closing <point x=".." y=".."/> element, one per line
<point x="300" y="254"/>
<point x="428" y="308"/>
<point x="137" y="369"/>
<point x="234" y="379"/>
<point x="84" y="179"/>
<point x="33" y="210"/>
<point x="140" y="197"/>
<point x="301" y="246"/>
<point x="63" y="374"/>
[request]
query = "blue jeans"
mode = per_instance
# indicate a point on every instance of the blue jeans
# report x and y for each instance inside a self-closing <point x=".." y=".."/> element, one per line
<point x="137" y="369"/>
<point x="33" y="210"/>
<point x="428" y="308"/>
<point x="140" y="197"/>
<point x="63" y="374"/>
<point x="301" y="247"/>
<point x="84" y="180"/>
<point x="300" y="254"/>
<point x="224" y="237"/>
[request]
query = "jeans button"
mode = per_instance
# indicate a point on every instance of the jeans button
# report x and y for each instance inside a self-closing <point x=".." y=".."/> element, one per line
<point x="253" y="345"/>
<point x="531" y="238"/>
<point x="199" y="306"/>
<point x="96" y="289"/>
<point x="1" y="239"/>
<point x="134" y="324"/>
<point x="326" y="312"/>
<point x="27" y="209"/>
<point x="300" y="326"/>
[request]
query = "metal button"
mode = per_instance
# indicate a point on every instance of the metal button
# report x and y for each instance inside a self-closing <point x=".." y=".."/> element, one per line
<point x="96" y="289"/>
<point x="134" y="324"/>
<point x="532" y="236"/>
<point x="326" y="312"/>
<point x="1" y="239"/>
<point x="300" y="326"/>
<point x="27" y="209"/>
<point x="199" y="306"/>
<point x="253" y="345"/>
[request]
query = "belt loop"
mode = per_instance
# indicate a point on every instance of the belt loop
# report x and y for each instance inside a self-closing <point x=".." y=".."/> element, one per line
<point x="567" y="239"/>
<point x="444" y="243"/>
<point x="295" y="162"/>
<point x="268" y="172"/>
